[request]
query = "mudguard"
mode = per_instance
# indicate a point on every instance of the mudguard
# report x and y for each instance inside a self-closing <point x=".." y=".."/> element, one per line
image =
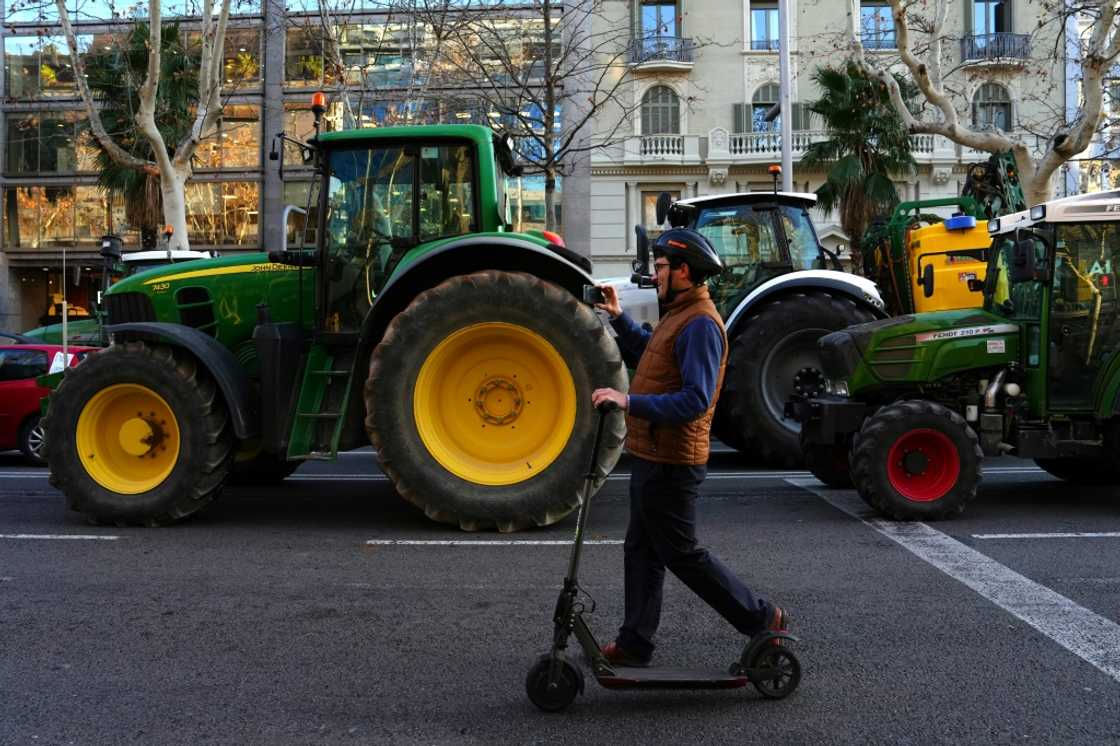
<point x="231" y="378"/>
<point x="463" y="257"/>
<point x="862" y="291"/>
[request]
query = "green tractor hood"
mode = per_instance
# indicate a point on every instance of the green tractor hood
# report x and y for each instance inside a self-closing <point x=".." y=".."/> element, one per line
<point x="918" y="349"/>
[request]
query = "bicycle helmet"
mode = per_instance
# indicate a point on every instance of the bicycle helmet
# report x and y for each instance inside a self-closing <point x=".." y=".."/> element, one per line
<point x="691" y="248"/>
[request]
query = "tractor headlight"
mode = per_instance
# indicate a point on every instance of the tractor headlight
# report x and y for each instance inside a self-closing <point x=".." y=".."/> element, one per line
<point x="1038" y="212"/>
<point x="837" y="388"/>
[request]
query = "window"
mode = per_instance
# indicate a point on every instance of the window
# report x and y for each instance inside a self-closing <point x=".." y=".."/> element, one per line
<point x="40" y="67"/>
<point x="876" y="26"/>
<point x="659" y="19"/>
<point x="765" y="99"/>
<point x="991" y="108"/>
<point x="49" y="142"/>
<point x="223" y="213"/>
<point x="661" y="112"/>
<point x="236" y="143"/>
<point x="19" y="365"/>
<point x="44" y="217"/>
<point x="303" y="195"/>
<point x="304" y="64"/>
<point x="649" y="210"/>
<point x="764" y="26"/>
<point x="446" y="191"/>
<point x="241" y="61"/>
<point x="990" y="17"/>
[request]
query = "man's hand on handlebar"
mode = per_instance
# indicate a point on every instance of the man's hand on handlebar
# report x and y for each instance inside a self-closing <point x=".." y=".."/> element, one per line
<point x="600" y="397"/>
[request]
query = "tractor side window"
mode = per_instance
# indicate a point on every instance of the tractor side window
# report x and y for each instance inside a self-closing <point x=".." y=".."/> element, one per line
<point x="446" y="191"/>
<point x="1016" y="300"/>
<point x="1085" y="315"/>
<point x="19" y="365"/>
<point x="804" y="248"/>
<point x="369" y="203"/>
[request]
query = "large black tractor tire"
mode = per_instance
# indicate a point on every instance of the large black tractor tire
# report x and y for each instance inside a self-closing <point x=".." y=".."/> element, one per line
<point x="31" y="440"/>
<point x="478" y="401"/>
<point x="774" y="350"/>
<point x="138" y="434"/>
<point x="1081" y="470"/>
<point x="829" y="462"/>
<point x="916" y="460"/>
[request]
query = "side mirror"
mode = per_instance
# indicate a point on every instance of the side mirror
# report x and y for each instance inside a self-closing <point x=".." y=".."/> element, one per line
<point x="664" y="202"/>
<point x="111" y="247"/>
<point x="926" y="281"/>
<point x="641" y="276"/>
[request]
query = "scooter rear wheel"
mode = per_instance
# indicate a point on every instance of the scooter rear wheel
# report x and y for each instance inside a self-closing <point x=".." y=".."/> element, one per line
<point x="557" y="698"/>
<point x="782" y="672"/>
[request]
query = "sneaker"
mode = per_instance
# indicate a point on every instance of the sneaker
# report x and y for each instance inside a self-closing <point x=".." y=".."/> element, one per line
<point x="618" y="656"/>
<point x="777" y="621"/>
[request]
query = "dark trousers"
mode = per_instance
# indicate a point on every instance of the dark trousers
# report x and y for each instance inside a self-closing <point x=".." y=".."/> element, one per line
<point x="662" y="534"/>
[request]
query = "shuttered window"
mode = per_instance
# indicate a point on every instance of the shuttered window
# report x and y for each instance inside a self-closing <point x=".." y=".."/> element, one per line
<point x="661" y="112"/>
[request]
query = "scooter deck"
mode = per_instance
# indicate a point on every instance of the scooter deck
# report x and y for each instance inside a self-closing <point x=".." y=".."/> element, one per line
<point x="671" y="678"/>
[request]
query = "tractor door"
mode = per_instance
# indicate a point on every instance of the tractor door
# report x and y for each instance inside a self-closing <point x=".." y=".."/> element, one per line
<point x="1085" y="314"/>
<point x="369" y="224"/>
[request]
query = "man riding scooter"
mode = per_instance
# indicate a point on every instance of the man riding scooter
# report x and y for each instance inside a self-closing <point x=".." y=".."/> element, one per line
<point x="669" y="409"/>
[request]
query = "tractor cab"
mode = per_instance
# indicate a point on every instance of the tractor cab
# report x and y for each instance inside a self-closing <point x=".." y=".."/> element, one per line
<point x="1053" y="271"/>
<point x="759" y="236"/>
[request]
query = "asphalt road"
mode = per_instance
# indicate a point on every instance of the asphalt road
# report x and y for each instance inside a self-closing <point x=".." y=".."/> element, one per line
<point x="271" y="618"/>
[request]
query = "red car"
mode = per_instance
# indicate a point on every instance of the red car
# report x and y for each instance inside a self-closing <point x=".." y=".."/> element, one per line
<point x="20" y="365"/>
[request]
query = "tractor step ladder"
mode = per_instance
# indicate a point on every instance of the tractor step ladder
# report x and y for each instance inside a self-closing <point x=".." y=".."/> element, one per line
<point x="323" y="399"/>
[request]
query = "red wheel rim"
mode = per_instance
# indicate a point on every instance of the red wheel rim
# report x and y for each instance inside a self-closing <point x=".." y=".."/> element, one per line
<point x="923" y="465"/>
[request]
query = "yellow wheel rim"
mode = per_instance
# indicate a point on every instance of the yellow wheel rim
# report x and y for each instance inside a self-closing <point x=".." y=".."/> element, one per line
<point x="128" y="439"/>
<point x="495" y="403"/>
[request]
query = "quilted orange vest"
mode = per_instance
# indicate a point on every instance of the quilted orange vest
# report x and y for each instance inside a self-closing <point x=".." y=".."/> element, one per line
<point x="686" y="443"/>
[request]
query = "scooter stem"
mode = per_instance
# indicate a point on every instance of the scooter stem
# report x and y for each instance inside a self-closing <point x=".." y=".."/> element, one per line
<point x="585" y="498"/>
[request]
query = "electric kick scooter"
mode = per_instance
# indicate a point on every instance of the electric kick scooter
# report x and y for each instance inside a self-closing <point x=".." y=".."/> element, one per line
<point x="554" y="681"/>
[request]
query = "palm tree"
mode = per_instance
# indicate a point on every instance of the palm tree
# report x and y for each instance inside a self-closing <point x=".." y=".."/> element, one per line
<point x="867" y="144"/>
<point x="115" y="76"/>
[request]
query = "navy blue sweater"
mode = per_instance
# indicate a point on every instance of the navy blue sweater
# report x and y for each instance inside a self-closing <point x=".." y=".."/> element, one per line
<point x="699" y="349"/>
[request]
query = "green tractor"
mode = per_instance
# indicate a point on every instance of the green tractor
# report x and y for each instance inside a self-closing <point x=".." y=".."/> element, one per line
<point x="914" y="403"/>
<point x="419" y="322"/>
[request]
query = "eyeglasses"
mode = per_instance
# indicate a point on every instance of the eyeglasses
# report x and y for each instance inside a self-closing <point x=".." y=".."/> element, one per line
<point x="658" y="266"/>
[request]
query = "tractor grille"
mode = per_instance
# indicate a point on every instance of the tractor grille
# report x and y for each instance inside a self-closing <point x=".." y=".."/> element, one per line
<point x="125" y="307"/>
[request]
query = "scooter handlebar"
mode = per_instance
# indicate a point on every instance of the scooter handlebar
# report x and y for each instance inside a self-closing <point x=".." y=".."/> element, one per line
<point x="606" y="406"/>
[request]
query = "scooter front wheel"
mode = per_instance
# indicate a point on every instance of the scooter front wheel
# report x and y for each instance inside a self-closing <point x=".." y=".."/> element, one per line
<point x="555" y="696"/>
<point x="775" y="672"/>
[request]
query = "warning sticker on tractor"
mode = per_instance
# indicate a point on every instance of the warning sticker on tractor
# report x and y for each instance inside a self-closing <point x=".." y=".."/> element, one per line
<point x="971" y="331"/>
<point x="997" y="346"/>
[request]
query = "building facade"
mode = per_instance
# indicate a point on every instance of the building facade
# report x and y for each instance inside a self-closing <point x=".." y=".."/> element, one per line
<point x="704" y="73"/>
<point x="54" y="213"/>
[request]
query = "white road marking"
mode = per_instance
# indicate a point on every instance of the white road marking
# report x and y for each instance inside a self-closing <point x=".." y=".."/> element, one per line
<point x="1084" y="535"/>
<point x="79" y="537"/>
<point x="488" y="542"/>
<point x="1084" y="633"/>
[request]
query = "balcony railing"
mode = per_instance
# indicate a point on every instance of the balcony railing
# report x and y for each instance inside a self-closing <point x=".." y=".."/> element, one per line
<point x="878" y="40"/>
<point x="999" y="46"/>
<point x="770" y="143"/>
<point x="647" y="49"/>
<point x="662" y="146"/>
<point x="764" y="45"/>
